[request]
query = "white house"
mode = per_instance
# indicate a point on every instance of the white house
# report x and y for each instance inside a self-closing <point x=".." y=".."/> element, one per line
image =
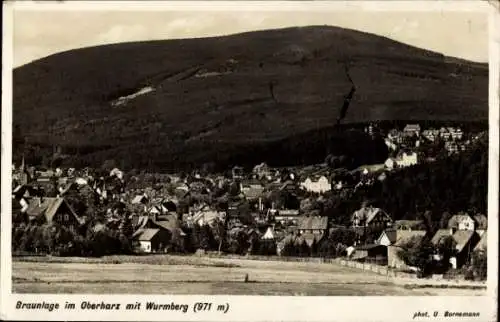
<point x="269" y="234"/>
<point x="412" y="129"/>
<point x="462" y="222"/>
<point x="390" y="163"/>
<point x="407" y="160"/>
<point x="390" y="144"/>
<point x="319" y="186"/>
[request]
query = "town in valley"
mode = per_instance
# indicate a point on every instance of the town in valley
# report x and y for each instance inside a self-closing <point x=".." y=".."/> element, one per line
<point x="374" y="213"/>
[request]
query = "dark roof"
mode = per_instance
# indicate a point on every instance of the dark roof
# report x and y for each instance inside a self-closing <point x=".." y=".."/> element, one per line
<point x="368" y="246"/>
<point x="47" y="207"/>
<point x="368" y="214"/>
<point x="310" y="223"/>
<point x="170" y="223"/>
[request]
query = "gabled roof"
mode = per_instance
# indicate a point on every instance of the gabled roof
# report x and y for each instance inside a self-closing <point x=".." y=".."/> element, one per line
<point x="368" y="214"/>
<point x="403" y="236"/>
<point x="170" y="223"/>
<point x="253" y="192"/>
<point x="138" y="199"/>
<point x="288" y="212"/>
<point x="441" y="233"/>
<point x="391" y="235"/>
<point x="312" y="223"/>
<point x="310" y="238"/>
<point x="408" y="224"/>
<point x="47" y="207"/>
<point x="455" y="219"/>
<point x="462" y="237"/>
<point x="269" y="234"/>
<point x="412" y="127"/>
<point x="207" y="216"/>
<point x="145" y="234"/>
<point x="299" y="240"/>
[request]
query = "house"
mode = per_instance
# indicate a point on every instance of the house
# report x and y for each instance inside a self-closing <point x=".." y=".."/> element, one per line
<point x="409" y="225"/>
<point x="404" y="160"/>
<point x="462" y="221"/>
<point x="168" y="205"/>
<point x="315" y="225"/>
<point x="154" y="210"/>
<point x="407" y="159"/>
<point x="412" y="129"/>
<point x="52" y="210"/>
<point x="262" y="171"/>
<point x="465" y="241"/>
<point x="286" y="215"/>
<point x="237" y="172"/>
<point x="482" y="245"/>
<point x="269" y="234"/>
<point x="481" y="224"/>
<point x="206" y="216"/>
<point x="440" y="235"/>
<point x="318" y="185"/>
<point x="391" y="163"/>
<point x="310" y="239"/>
<point x="287" y="240"/>
<point x="171" y="225"/>
<point x="456" y="133"/>
<point x="238" y="209"/>
<point x="431" y="134"/>
<point x="288" y="186"/>
<point x="252" y="190"/>
<point x="390" y="236"/>
<point x="451" y="147"/>
<point x="403" y="237"/>
<point x="371" y="217"/>
<point x="444" y="133"/>
<point x="387" y="237"/>
<point x="372" y="251"/>
<point x="390" y="144"/>
<point x="151" y="240"/>
<point x="140" y="199"/>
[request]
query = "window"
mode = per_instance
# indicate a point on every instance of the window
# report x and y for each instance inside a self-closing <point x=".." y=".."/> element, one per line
<point x="66" y="217"/>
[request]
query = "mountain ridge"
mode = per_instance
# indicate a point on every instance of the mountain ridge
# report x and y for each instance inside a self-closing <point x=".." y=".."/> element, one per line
<point x="261" y="86"/>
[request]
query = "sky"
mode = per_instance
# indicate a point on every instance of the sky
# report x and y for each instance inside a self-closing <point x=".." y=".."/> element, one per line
<point x="40" y="33"/>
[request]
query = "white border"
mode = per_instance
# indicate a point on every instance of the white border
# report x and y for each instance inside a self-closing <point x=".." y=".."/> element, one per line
<point x="246" y="308"/>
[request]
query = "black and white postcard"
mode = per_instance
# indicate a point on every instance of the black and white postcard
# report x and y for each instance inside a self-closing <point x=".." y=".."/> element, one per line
<point x="250" y="161"/>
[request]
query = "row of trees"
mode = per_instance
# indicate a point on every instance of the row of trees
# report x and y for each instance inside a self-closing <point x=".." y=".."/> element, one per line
<point x="58" y="240"/>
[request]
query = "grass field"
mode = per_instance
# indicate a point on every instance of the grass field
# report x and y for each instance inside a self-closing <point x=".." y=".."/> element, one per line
<point x="193" y="275"/>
